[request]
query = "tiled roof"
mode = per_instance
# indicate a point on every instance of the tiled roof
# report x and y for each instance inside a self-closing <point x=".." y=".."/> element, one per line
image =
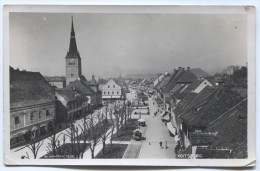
<point x="199" y="138"/>
<point x="222" y="101"/>
<point x="186" y="105"/>
<point x="187" y="77"/>
<point x="81" y="87"/>
<point x="232" y="130"/>
<point x="164" y="82"/>
<point x="199" y="73"/>
<point x="67" y="94"/>
<point x="173" y="80"/>
<point x="29" y="88"/>
<point x="55" y="78"/>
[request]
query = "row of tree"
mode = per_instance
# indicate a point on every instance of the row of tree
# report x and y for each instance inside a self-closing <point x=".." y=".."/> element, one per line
<point x="85" y="133"/>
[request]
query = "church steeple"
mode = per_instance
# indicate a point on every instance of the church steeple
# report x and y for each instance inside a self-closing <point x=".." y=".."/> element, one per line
<point x="73" y="60"/>
<point x="73" y="50"/>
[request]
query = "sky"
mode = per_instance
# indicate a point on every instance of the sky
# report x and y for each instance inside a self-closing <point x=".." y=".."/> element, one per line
<point x="113" y="44"/>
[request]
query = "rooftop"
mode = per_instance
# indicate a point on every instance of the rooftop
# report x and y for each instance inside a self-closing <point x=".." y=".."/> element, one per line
<point x="29" y="88"/>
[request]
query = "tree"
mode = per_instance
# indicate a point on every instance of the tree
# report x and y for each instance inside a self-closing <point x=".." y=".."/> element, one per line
<point x="113" y="123"/>
<point x="33" y="145"/>
<point x="104" y="128"/>
<point x="92" y="133"/>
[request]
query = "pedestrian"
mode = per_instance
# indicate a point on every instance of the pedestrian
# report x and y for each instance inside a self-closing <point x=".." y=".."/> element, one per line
<point x="166" y="145"/>
<point x="161" y="144"/>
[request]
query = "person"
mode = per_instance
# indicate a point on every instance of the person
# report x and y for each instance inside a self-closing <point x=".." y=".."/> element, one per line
<point x="161" y="144"/>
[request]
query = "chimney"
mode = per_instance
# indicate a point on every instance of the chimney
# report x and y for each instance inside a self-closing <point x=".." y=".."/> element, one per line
<point x="180" y="68"/>
<point x="188" y="68"/>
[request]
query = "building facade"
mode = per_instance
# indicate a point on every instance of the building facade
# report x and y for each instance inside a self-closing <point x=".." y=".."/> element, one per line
<point x="32" y="106"/>
<point x="111" y="90"/>
<point x="70" y="104"/>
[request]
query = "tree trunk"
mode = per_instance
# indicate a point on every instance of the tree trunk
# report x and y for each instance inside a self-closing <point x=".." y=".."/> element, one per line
<point x="92" y="154"/>
<point x="104" y="146"/>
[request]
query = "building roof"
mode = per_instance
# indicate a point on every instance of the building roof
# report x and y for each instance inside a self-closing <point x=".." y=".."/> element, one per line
<point x="210" y="106"/>
<point x="29" y="88"/>
<point x="193" y="99"/>
<point x="55" y="79"/>
<point x="81" y="87"/>
<point x="180" y="76"/>
<point x="199" y="73"/>
<point x="68" y="94"/>
<point x="73" y="50"/>
<point x="232" y="130"/>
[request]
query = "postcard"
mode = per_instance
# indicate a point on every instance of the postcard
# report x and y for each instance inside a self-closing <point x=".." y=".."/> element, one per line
<point x="129" y="85"/>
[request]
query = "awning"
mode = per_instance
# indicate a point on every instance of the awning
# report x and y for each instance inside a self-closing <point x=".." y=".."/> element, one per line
<point x="141" y="120"/>
<point x="167" y="117"/>
<point x="163" y="113"/>
<point x="171" y="128"/>
<point x="138" y="130"/>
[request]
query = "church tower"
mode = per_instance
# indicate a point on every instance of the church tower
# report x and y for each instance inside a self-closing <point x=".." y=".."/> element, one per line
<point x="73" y="60"/>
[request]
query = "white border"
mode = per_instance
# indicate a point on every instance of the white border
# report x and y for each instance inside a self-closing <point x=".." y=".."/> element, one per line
<point x="142" y="9"/>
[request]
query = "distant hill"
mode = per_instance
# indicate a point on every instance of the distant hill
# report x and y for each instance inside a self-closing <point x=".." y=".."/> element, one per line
<point x="141" y="76"/>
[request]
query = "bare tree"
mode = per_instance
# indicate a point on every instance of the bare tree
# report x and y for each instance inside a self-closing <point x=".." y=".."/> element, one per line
<point x="33" y="145"/>
<point x="116" y="113"/>
<point x="113" y="123"/>
<point x="104" y="128"/>
<point x="92" y="133"/>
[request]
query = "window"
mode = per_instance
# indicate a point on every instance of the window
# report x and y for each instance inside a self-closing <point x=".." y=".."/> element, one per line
<point x="108" y="92"/>
<point x="117" y="92"/>
<point x="31" y="116"/>
<point x="112" y="92"/>
<point x="40" y="114"/>
<point x="104" y="92"/>
<point x="113" y="86"/>
<point x="47" y="113"/>
<point x="108" y="86"/>
<point x="16" y="120"/>
<point x="72" y="74"/>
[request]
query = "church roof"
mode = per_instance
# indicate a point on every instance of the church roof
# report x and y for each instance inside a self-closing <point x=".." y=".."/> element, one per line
<point x="73" y="50"/>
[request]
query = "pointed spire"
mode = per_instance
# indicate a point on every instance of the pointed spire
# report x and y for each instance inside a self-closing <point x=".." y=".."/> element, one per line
<point x="72" y="33"/>
<point x="73" y="50"/>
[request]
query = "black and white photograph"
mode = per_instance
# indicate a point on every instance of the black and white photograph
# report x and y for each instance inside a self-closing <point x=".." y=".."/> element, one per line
<point x="129" y="83"/>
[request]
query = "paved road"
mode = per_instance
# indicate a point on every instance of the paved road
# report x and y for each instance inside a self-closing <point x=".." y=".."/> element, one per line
<point x="156" y="131"/>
